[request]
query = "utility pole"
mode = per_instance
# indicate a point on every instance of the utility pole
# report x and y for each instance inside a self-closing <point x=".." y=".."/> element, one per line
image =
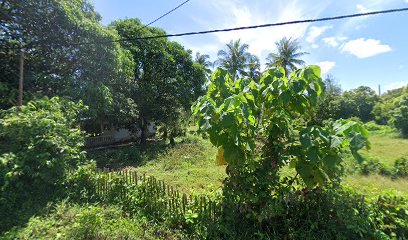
<point x="21" y="80"/>
<point x="379" y="90"/>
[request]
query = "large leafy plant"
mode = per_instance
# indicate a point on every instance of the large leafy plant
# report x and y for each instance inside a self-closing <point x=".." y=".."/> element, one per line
<point x="40" y="142"/>
<point x="266" y="126"/>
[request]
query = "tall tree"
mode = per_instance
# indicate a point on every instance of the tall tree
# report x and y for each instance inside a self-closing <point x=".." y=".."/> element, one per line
<point x="327" y="105"/>
<point x="234" y="58"/>
<point x="358" y="102"/>
<point x="287" y="56"/>
<point x="167" y="79"/>
<point x="203" y="60"/>
<point x="56" y="63"/>
<point x="254" y="68"/>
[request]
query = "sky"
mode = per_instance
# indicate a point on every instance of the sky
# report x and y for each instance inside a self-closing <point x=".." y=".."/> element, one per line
<point x="369" y="51"/>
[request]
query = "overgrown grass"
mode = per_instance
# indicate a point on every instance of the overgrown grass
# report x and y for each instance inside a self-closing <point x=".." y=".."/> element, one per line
<point x="375" y="185"/>
<point x="68" y="221"/>
<point x="189" y="166"/>
<point x="387" y="148"/>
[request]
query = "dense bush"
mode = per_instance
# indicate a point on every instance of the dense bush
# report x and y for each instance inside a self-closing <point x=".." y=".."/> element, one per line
<point x="401" y="167"/>
<point x="391" y="216"/>
<point x="400" y="118"/>
<point x="68" y="221"/>
<point x="373" y="166"/>
<point x="40" y="142"/>
<point x="331" y="213"/>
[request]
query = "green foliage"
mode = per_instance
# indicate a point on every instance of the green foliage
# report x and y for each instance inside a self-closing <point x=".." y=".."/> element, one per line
<point x="167" y="79"/>
<point x="359" y="103"/>
<point x="239" y="115"/>
<point x="264" y="127"/>
<point x="400" y="117"/>
<point x="327" y="105"/>
<point x="234" y="58"/>
<point x="80" y="183"/>
<point x="56" y="65"/>
<point x="391" y="216"/>
<point x="287" y="56"/>
<point x="69" y="221"/>
<point x="401" y="167"/>
<point x="383" y="110"/>
<point x="40" y="143"/>
<point x="373" y="166"/>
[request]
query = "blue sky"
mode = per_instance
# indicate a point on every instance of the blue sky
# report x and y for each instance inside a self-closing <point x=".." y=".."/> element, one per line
<point x="361" y="51"/>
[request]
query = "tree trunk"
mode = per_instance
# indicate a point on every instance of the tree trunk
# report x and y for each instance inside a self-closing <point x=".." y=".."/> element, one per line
<point x="171" y="139"/>
<point x="143" y="134"/>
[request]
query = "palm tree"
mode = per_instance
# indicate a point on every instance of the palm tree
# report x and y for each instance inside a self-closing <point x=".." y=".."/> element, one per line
<point x="287" y="56"/>
<point x="234" y="59"/>
<point x="202" y="59"/>
<point x="254" y="68"/>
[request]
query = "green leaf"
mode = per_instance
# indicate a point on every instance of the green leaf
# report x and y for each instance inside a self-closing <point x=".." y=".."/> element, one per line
<point x="305" y="171"/>
<point x="335" y="141"/>
<point x="251" y="119"/>
<point x="285" y="97"/>
<point x="331" y="160"/>
<point x="305" y="141"/>
<point x="313" y="154"/>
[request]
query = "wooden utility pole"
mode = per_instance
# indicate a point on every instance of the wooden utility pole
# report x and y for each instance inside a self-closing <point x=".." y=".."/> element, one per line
<point x="21" y="80"/>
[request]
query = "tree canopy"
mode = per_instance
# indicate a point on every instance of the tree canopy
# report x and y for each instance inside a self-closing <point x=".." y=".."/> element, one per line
<point x="167" y="78"/>
<point x="287" y="56"/>
<point x="234" y="58"/>
<point x="59" y="61"/>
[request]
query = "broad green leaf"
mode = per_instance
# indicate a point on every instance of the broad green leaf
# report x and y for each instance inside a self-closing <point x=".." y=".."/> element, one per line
<point x="305" y="140"/>
<point x="335" y="141"/>
<point x="313" y="154"/>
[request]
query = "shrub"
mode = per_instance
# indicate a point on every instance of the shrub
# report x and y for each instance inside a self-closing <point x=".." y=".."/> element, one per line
<point x="40" y="142"/>
<point x="68" y="221"/>
<point x="400" y="118"/>
<point x="401" y="167"/>
<point x="374" y="166"/>
<point x="330" y="213"/>
<point x="391" y="216"/>
<point x="80" y="183"/>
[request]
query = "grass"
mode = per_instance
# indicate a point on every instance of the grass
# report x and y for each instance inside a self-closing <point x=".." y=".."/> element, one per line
<point x="190" y="164"/>
<point x="375" y="185"/>
<point x="190" y="167"/>
<point x="72" y="221"/>
<point x="387" y="148"/>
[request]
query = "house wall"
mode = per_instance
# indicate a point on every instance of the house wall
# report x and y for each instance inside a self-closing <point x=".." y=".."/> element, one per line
<point x="119" y="135"/>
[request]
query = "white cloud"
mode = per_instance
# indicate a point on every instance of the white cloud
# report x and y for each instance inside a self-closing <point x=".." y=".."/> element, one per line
<point x="331" y="41"/>
<point x="334" y="41"/>
<point x="326" y="66"/>
<point x="363" y="48"/>
<point x="315" y="32"/>
<point x="362" y="9"/>
<point x="261" y="41"/>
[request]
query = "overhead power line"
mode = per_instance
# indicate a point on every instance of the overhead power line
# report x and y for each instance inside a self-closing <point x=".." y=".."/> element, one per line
<point x="247" y="27"/>
<point x="167" y="13"/>
<point x="271" y="24"/>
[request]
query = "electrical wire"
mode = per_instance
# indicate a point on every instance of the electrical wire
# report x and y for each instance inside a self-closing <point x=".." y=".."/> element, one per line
<point x="270" y="24"/>
<point x="167" y="13"/>
<point x="246" y="27"/>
